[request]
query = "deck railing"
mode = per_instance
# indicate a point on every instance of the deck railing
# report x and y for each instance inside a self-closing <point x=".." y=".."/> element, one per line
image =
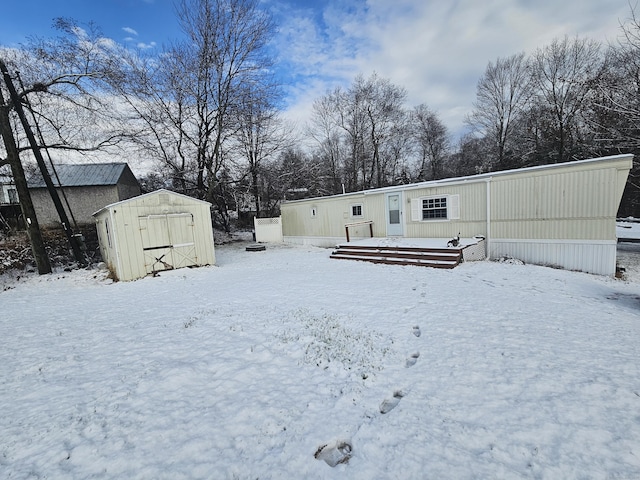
<point x="356" y="224"/>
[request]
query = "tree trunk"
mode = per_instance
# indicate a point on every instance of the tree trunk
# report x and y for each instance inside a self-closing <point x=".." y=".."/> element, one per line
<point x="255" y="190"/>
<point x="26" y="205"/>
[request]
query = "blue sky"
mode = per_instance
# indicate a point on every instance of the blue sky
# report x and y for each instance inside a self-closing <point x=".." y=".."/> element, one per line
<point x="436" y="49"/>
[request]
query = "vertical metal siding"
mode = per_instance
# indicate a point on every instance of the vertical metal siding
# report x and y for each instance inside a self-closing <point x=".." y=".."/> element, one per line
<point x="598" y="258"/>
<point x="126" y="229"/>
<point x="577" y="204"/>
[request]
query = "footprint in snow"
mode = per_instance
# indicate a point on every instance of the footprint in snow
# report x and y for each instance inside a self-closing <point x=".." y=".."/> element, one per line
<point x="334" y="453"/>
<point x="389" y="404"/>
<point x="412" y="359"/>
<point x="416" y="331"/>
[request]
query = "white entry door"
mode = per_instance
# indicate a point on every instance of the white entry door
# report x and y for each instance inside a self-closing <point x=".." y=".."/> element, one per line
<point x="394" y="214"/>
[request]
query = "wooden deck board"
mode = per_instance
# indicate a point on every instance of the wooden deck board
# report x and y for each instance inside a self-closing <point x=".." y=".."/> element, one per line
<point x="397" y="255"/>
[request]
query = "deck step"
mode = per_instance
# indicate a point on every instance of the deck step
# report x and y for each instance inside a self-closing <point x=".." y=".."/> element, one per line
<point x="425" y="257"/>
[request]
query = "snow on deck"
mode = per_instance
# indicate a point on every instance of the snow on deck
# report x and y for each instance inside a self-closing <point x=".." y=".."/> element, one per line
<point x="411" y="242"/>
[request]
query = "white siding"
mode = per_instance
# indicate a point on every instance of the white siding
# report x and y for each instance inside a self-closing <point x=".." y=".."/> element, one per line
<point x="466" y="211"/>
<point x="160" y="218"/>
<point x="570" y="204"/>
<point x="561" y="214"/>
<point x="332" y="214"/>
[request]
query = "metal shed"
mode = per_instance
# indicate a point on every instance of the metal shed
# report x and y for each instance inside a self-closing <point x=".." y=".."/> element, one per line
<point x="562" y="214"/>
<point x="161" y="230"/>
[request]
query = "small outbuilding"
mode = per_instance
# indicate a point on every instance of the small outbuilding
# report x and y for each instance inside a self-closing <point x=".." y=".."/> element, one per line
<point x="161" y="230"/>
<point x="84" y="188"/>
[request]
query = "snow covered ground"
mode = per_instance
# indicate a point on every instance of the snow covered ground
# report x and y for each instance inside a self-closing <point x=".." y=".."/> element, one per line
<point x="279" y="364"/>
<point x="628" y="230"/>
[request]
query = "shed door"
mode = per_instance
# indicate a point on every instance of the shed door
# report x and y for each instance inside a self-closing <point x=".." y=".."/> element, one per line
<point x="168" y="241"/>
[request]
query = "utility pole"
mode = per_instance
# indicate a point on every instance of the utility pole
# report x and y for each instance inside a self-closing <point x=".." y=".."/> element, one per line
<point x="26" y="205"/>
<point x="15" y="99"/>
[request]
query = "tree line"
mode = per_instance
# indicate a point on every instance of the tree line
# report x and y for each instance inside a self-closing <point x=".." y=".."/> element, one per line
<point x="570" y="100"/>
<point x="205" y="113"/>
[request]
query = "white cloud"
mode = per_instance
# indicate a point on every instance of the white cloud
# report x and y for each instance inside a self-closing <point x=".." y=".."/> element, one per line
<point x="146" y="46"/>
<point x="437" y="50"/>
<point x="130" y="31"/>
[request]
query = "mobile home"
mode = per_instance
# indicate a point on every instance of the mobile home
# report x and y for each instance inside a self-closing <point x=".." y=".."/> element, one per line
<point x="562" y="214"/>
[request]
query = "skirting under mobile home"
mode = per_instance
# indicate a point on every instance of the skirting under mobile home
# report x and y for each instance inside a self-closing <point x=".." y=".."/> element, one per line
<point x="161" y="230"/>
<point x="561" y="215"/>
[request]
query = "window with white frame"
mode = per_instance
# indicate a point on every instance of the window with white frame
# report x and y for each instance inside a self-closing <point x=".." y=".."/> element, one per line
<point x="356" y="210"/>
<point x="435" y="207"/>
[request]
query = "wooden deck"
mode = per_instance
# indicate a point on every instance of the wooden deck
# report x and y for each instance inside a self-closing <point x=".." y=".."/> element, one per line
<point x="400" y="255"/>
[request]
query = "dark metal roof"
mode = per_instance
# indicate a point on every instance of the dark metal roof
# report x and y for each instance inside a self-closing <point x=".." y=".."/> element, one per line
<point x="81" y="175"/>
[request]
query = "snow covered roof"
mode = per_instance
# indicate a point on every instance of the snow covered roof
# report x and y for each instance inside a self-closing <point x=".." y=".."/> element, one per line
<point x="138" y="198"/>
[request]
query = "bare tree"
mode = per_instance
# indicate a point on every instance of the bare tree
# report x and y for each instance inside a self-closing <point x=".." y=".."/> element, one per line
<point x="260" y="135"/>
<point x="432" y="142"/>
<point x="502" y="94"/>
<point x="383" y="102"/>
<point x="398" y="151"/>
<point x="324" y="128"/>
<point x="615" y="120"/>
<point x="59" y="83"/>
<point x="565" y="75"/>
<point x="356" y="128"/>
<point x="471" y="148"/>
<point x="351" y="115"/>
<point x="189" y="97"/>
<point x="617" y="110"/>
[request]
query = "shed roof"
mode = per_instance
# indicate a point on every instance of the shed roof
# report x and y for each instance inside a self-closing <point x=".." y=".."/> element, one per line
<point x="142" y="197"/>
<point x="81" y="175"/>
